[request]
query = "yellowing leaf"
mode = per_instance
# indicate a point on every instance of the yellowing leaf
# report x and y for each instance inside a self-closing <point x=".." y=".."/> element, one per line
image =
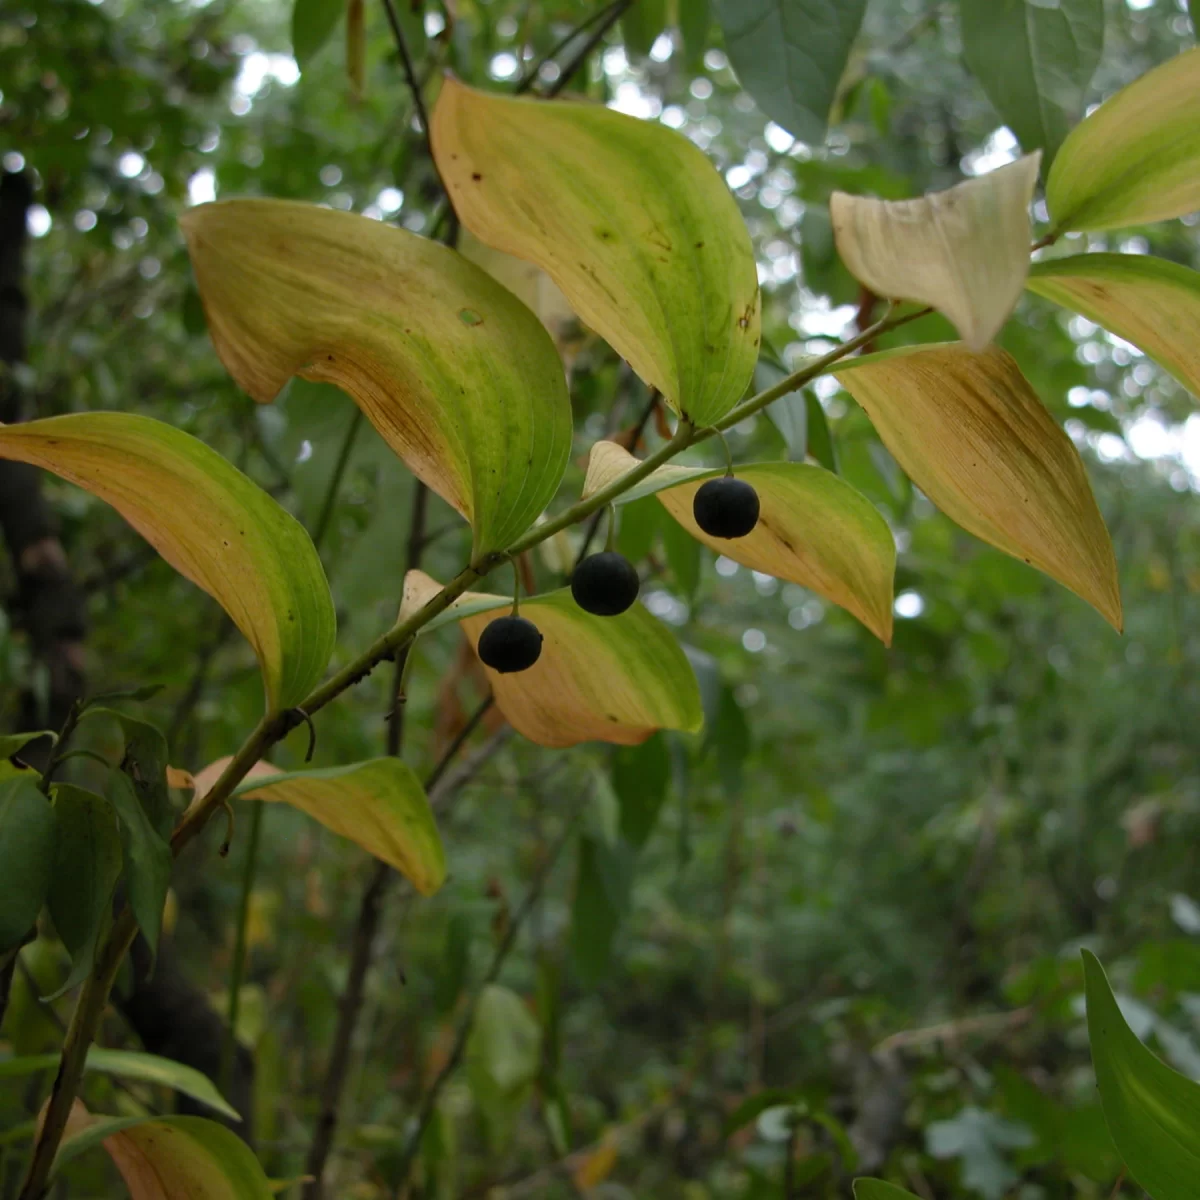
<point x="1147" y="301"/>
<point x="129" y="1064"/>
<point x="457" y="375"/>
<point x="380" y="804"/>
<point x="976" y="440"/>
<point x="211" y="523"/>
<point x="529" y="283"/>
<point x="1137" y="157"/>
<point x="608" y="679"/>
<point x="814" y="529"/>
<point x="170" y="1158"/>
<point x="964" y="251"/>
<point x="628" y="218"/>
<point x="596" y="1166"/>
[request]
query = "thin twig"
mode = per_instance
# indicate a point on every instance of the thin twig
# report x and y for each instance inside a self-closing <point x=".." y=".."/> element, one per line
<point x="362" y="947"/>
<point x="594" y="525"/>
<point x="335" y="480"/>
<point x="275" y="726"/>
<point x="531" y="76"/>
<point x="598" y="35"/>
<point x="414" y="86"/>
<point x="430" y="1099"/>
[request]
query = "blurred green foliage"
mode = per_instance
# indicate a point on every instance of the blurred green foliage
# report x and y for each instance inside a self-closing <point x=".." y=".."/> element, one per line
<point x="862" y="893"/>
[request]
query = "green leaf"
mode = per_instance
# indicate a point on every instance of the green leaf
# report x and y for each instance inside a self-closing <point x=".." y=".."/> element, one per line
<point x="1136" y="159"/>
<point x="1153" y="1113"/>
<point x="380" y="804"/>
<point x="601" y="898"/>
<point x="1147" y="301"/>
<point x="730" y="736"/>
<point x="27" y="837"/>
<point x="643" y="21"/>
<point x="964" y="251"/>
<point x="790" y="55"/>
<point x="456" y="374"/>
<point x="147" y="866"/>
<point x="145" y="761"/>
<point x="1035" y="62"/>
<point x="876" y="1189"/>
<point x="173" y="1156"/>
<point x="14" y="743"/>
<point x="503" y="1053"/>
<point x="610" y="679"/>
<point x="752" y="1106"/>
<point x="313" y="23"/>
<point x="814" y="528"/>
<point x="87" y="865"/>
<point x="132" y="1064"/>
<point x="979" y="1139"/>
<point x="820" y="440"/>
<point x="683" y="558"/>
<point x="640" y="775"/>
<point x="455" y="962"/>
<point x="695" y="24"/>
<point x="971" y="434"/>
<point x="210" y="522"/>
<point x="628" y="218"/>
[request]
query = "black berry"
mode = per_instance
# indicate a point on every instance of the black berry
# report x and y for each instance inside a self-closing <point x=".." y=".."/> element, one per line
<point x="605" y="584"/>
<point x="726" y="507"/>
<point x="510" y="644"/>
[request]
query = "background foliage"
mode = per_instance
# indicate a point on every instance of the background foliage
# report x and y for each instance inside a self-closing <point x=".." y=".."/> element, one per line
<point x="841" y="926"/>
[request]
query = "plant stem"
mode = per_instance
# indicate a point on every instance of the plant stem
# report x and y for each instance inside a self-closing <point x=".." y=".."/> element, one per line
<point x="429" y="1100"/>
<point x="89" y="1008"/>
<point x="238" y="966"/>
<point x="362" y="948"/>
<point x="598" y="35"/>
<point x="530" y="77"/>
<point x="335" y="480"/>
<point x="275" y="726"/>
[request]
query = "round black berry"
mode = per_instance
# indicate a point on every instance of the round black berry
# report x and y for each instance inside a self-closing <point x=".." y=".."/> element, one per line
<point x="726" y="507"/>
<point x="510" y="644"/>
<point x="605" y="584"/>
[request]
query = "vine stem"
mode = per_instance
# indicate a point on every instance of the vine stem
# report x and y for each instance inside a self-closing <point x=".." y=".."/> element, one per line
<point x="275" y="726"/>
<point x="430" y="1099"/>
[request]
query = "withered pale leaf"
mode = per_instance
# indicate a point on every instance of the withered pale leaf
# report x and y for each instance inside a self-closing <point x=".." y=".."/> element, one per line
<point x="965" y="251"/>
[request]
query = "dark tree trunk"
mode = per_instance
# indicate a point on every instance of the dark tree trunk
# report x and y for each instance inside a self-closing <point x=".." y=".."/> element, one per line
<point x="169" y="1014"/>
<point x="46" y="605"/>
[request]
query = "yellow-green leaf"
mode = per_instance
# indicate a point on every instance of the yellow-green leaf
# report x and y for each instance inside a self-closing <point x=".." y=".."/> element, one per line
<point x="608" y="679"/>
<point x="628" y="218"/>
<point x="132" y="1064"/>
<point x="1136" y="159"/>
<point x="458" y="376"/>
<point x="380" y="804"/>
<point x="877" y="1189"/>
<point x="965" y="251"/>
<point x="976" y="440"/>
<point x="212" y="524"/>
<point x="167" y="1158"/>
<point x="813" y="529"/>
<point x="1147" y="301"/>
<point x="1153" y="1113"/>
